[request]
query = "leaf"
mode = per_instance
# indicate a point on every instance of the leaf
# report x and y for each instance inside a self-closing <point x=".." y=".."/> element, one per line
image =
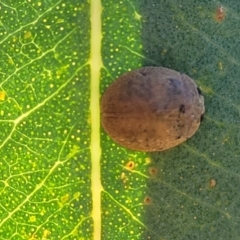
<point x="191" y="191"/>
<point x="44" y="148"/>
<point x="62" y="177"/>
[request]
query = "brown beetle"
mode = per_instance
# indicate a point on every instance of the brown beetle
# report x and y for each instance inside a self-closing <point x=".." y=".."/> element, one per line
<point x="152" y="109"/>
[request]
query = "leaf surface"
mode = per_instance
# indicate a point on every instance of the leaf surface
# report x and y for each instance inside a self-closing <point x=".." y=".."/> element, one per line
<point x="62" y="177"/>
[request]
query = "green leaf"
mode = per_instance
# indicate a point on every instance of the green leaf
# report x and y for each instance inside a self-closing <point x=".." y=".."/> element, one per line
<point x="62" y="177"/>
<point x="44" y="109"/>
<point x="191" y="191"/>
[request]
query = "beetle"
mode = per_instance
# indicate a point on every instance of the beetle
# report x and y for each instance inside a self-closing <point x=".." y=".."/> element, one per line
<point x="152" y="109"/>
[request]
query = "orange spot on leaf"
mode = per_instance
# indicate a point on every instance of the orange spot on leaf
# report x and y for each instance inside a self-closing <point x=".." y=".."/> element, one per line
<point x="152" y="171"/>
<point x="220" y="14"/>
<point x="65" y="198"/>
<point x="130" y="165"/>
<point x="147" y="200"/>
<point x="212" y="183"/>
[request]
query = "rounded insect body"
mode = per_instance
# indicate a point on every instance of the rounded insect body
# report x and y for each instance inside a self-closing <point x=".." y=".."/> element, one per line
<point x="152" y="109"/>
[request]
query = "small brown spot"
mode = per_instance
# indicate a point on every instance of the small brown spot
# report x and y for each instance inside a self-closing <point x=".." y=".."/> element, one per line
<point x="65" y="198"/>
<point x="147" y="200"/>
<point x="182" y="108"/>
<point x="212" y="183"/>
<point x="152" y="171"/>
<point x="130" y="165"/>
<point x="220" y="14"/>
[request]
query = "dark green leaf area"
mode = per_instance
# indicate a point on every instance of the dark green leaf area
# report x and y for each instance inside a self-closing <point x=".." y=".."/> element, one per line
<point x="184" y="201"/>
<point x="195" y="191"/>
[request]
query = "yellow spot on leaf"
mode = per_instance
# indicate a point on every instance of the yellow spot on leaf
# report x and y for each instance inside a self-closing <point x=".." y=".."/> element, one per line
<point x="148" y="160"/>
<point x="220" y="65"/>
<point x="46" y="233"/>
<point x="65" y="198"/>
<point x="76" y="195"/>
<point x="82" y="166"/>
<point x="130" y="165"/>
<point x="212" y="183"/>
<point x="43" y="212"/>
<point x="32" y="219"/>
<point x="137" y="16"/>
<point x="15" y="39"/>
<point x="124" y="177"/>
<point x="27" y="35"/>
<point x="2" y="95"/>
<point x="60" y="20"/>
<point x="10" y="61"/>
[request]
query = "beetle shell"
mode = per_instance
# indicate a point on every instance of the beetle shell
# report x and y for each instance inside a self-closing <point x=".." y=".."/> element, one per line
<point x="152" y="109"/>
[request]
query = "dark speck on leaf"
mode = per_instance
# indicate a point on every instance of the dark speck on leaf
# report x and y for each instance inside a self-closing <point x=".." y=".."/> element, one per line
<point x="182" y="108"/>
<point x="199" y="91"/>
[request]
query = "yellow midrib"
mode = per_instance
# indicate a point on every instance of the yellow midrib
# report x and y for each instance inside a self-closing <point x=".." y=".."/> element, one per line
<point x="95" y="148"/>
